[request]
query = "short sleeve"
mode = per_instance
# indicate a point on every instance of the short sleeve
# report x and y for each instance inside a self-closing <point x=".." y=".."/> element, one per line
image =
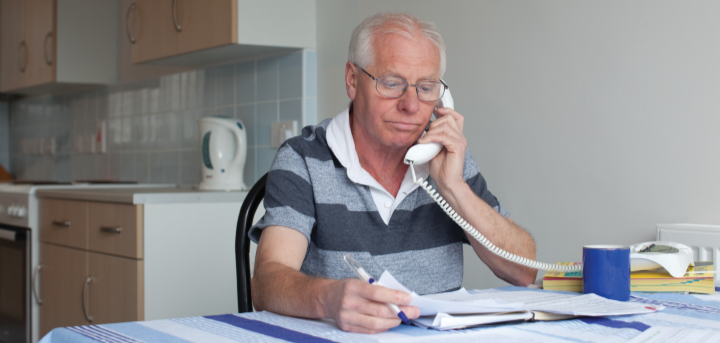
<point x="475" y="180"/>
<point x="288" y="195"/>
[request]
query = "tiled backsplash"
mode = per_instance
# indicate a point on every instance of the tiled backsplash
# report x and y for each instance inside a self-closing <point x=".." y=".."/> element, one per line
<point x="4" y="136"/>
<point x="152" y="129"/>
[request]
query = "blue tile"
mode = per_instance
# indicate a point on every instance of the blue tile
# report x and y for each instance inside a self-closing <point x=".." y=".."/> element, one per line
<point x="228" y="112"/>
<point x="245" y="82"/>
<point x="206" y="78"/>
<point x="310" y="111"/>
<point x="291" y="110"/>
<point x="142" y="167"/>
<point x="265" y="156"/>
<point x="290" y="67"/>
<point x="310" y="73"/>
<point x="249" y="176"/>
<point x="225" y="85"/>
<point x="267" y="79"/>
<point x="266" y="114"/>
<point x="190" y="167"/>
<point x="246" y="114"/>
<point x="189" y="129"/>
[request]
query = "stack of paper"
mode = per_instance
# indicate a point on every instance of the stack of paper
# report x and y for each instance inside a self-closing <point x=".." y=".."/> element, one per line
<point x="698" y="279"/>
<point x="562" y="281"/>
<point x="460" y="309"/>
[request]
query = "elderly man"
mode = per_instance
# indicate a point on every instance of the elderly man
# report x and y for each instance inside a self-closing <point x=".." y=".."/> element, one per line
<point x="342" y="187"/>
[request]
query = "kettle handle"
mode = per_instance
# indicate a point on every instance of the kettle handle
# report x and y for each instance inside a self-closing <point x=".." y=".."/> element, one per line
<point x="235" y="128"/>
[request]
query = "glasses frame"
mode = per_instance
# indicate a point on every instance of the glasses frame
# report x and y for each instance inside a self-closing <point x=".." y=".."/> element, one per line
<point x="417" y="91"/>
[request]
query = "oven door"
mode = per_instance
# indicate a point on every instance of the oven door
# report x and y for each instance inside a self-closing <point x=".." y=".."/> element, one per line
<point x="14" y="284"/>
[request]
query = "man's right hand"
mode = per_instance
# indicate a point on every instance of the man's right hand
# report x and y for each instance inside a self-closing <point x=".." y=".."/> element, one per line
<point x="279" y="286"/>
<point x="357" y="306"/>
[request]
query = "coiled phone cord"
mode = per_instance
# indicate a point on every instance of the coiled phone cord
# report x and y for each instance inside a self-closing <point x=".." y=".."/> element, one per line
<point x="482" y="239"/>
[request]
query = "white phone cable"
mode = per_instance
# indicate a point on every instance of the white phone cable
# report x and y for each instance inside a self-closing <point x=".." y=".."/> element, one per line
<point x="482" y="239"/>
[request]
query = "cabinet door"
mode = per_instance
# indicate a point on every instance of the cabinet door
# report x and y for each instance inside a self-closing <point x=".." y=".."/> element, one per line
<point x="115" y="229"/>
<point x="62" y="278"/>
<point x="116" y="291"/>
<point x="40" y="36"/>
<point x="13" y="47"/>
<point x="63" y="222"/>
<point x="206" y="24"/>
<point x="155" y="33"/>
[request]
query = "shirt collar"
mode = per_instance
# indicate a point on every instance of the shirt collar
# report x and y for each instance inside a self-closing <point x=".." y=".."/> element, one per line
<point x="340" y="141"/>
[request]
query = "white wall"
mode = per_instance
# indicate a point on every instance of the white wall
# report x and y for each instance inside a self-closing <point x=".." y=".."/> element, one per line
<point x="591" y="121"/>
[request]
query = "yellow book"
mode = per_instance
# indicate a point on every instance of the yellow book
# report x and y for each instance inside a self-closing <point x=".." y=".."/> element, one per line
<point x="562" y="281"/>
<point x="698" y="279"/>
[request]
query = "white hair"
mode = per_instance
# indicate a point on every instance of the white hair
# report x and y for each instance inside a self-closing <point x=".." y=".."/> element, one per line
<point x="361" y="49"/>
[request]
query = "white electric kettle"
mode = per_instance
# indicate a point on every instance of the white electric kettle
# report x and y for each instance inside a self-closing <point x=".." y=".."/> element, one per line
<point x="224" y="148"/>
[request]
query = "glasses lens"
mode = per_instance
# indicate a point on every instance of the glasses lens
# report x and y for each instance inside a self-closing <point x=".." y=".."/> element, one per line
<point x="430" y="90"/>
<point x="391" y="86"/>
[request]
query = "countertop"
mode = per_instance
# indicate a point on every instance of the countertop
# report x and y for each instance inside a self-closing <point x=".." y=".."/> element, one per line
<point x="138" y="196"/>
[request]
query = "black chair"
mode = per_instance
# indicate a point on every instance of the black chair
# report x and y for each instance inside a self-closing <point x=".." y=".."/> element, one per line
<point x="242" y="243"/>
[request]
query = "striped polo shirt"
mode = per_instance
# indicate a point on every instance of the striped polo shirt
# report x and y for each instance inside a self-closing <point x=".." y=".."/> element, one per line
<point x="317" y="187"/>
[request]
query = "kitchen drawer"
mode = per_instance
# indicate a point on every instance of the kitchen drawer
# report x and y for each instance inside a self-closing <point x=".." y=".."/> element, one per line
<point x="63" y="222"/>
<point x="116" y="229"/>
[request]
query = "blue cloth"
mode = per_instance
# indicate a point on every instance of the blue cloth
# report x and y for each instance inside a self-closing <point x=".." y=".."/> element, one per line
<point x="681" y="311"/>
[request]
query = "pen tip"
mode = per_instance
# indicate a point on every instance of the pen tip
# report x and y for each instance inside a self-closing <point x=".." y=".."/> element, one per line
<point x="371" y="280"/>
<point x="404" y="317"/>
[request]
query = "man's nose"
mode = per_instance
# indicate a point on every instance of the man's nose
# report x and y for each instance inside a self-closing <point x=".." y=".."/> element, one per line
<point x="409" y="102"/>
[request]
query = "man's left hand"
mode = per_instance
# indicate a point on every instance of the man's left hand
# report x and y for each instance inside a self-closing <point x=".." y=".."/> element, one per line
<point x="447" y="167"/>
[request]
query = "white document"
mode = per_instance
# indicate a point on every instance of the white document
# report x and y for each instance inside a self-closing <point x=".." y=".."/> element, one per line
<point x="444" y="321"/>
<point x="496" y="302"/>
<point x="666" y="334"/>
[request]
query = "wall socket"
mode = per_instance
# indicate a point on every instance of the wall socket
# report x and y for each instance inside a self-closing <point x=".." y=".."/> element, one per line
<point x="281" y="131"/>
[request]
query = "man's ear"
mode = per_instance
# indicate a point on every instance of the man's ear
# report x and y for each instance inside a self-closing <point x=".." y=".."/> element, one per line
<point x="351" y="80"/>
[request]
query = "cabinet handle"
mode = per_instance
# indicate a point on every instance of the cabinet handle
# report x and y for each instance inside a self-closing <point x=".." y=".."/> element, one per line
<point x="62" y="223"/>
<point x="34" y="284"/>
<point x="45" y="52"/>
<point x="178" y="27"/>
<point x="21" y="61"/>
<point x="127" y="23"/>
<point x="84" y="295"/>
<point x="111" y="229"/>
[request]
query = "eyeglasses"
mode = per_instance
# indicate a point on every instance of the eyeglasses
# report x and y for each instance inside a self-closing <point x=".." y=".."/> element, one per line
<point x="395" y="87"/>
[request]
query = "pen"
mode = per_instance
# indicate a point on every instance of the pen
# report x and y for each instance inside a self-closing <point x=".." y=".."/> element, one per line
<point x="365" y="276"/>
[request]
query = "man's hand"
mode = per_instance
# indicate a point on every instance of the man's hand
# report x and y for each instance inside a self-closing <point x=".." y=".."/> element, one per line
<point x="447" y="167"/>
<point x="279" y="286"/>
<point x="357" y="306"/>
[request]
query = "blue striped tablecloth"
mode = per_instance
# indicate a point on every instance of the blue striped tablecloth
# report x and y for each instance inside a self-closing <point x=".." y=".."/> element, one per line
<point x="689" y="311"/>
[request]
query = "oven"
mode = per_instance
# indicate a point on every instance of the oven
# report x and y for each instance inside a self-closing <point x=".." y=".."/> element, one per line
<point x="15" y="306"/>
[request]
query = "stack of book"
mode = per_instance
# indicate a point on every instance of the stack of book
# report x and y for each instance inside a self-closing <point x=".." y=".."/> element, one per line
<point x="698" y="279"/>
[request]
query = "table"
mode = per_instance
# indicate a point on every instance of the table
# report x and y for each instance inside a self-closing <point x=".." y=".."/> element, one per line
<point x="681" y="310"/>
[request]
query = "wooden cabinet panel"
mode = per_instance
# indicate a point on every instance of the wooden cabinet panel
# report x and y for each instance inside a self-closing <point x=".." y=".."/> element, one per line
<point x="12" y="44"/>
<point x="62" y="277"/>
<point x="155" y="33"/>
<point x="63" y="222"/>
<point x="40" y="36"/>
<point x="116" y="291"/>
<point x="206" y="24"/>
<point x="115" y="229"/>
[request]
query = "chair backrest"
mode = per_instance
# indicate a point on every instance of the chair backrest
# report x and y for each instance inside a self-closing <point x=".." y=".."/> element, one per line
<point x="242" y="243"/>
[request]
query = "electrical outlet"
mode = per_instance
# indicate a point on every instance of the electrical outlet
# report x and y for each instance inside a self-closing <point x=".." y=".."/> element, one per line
<point x="281" y="131"/>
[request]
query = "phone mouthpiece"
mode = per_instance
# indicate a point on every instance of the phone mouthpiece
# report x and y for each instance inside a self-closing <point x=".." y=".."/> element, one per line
<point x="422" y="153"/>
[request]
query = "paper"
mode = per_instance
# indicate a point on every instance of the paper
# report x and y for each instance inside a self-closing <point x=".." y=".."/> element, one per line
<point x="665" y="334"/>
<point x="458" y="302"/>
<point x="462" y="302"/>
<point x="444" y="321"/>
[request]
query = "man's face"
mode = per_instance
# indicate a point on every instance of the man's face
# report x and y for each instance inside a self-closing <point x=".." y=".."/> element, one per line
<point x="386" y="122"/>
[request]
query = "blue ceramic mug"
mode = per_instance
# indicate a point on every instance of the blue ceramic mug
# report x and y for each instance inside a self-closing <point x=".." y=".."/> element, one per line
<point x="606" y="271"/>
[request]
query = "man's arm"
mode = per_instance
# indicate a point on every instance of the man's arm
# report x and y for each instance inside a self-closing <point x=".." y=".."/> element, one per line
<point x="279" y="286"/>
<point x="447" y="171"/>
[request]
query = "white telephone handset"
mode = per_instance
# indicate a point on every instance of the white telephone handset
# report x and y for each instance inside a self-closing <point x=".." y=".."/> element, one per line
<point x="423" y="153"/>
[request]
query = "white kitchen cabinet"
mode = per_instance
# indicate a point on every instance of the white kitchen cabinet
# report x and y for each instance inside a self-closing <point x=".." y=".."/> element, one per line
<point x="192" y="33"/>
<point x="57" y="45"/>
